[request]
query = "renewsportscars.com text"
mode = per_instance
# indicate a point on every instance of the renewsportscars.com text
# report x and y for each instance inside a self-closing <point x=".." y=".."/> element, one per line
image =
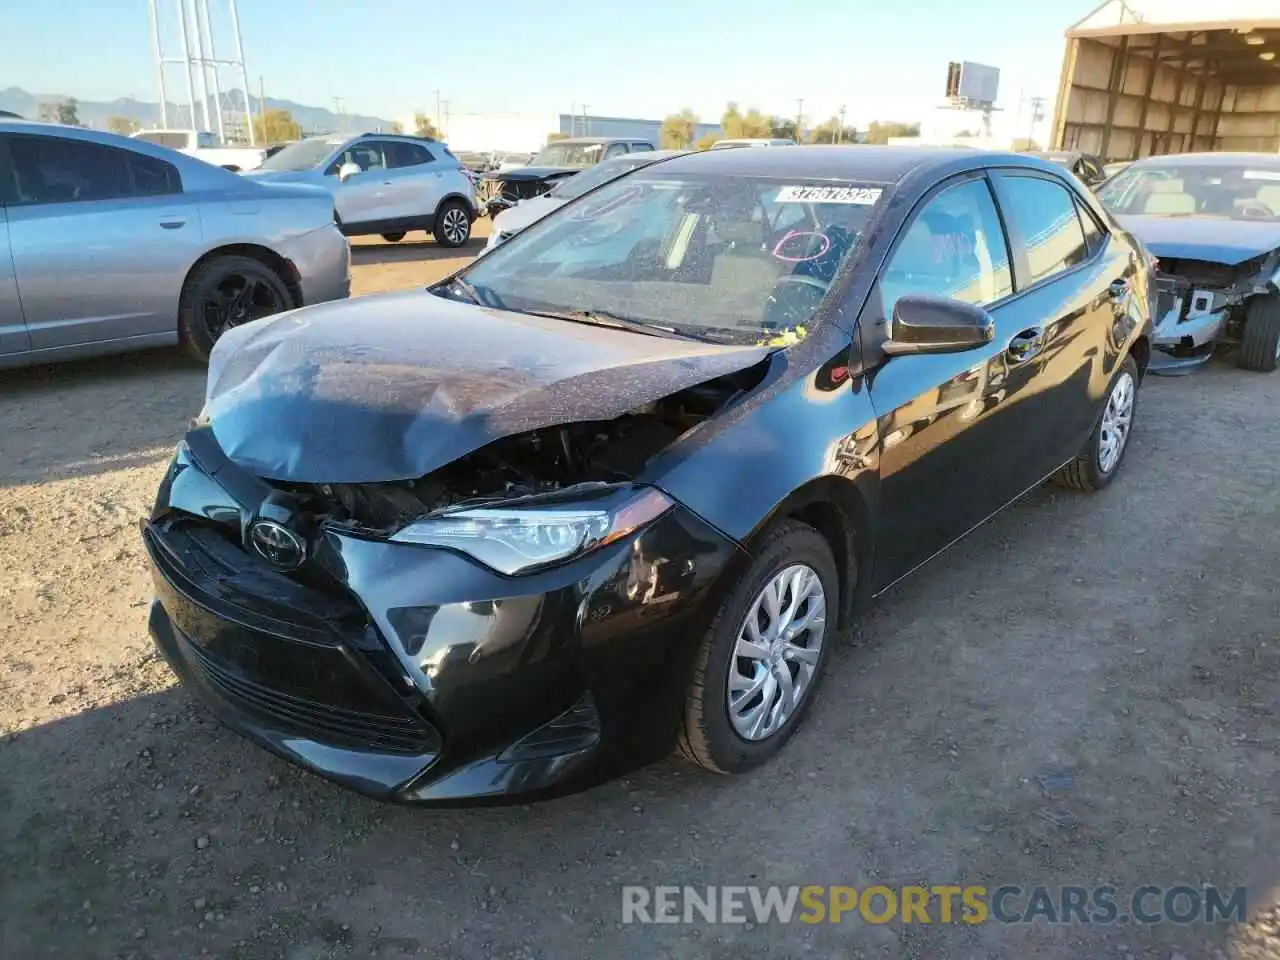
<point x="1008" y="903"/>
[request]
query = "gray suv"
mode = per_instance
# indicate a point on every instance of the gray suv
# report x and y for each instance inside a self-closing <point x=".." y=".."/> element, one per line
<point x="383" y="184"/>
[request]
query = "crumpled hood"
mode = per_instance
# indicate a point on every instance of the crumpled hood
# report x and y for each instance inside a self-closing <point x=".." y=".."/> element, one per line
<point x="535" y="173"/>
<point x="1204" y="238"/>
<point x="392" y="387"/>
<point x="526" y="212"/>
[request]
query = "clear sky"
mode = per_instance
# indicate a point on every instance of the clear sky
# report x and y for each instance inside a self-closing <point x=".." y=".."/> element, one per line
<point x="883" y="59"/>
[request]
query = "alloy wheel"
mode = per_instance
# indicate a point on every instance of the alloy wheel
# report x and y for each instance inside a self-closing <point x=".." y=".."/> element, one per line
<point x="455" y="227"/>
<point x="236" y="299"/>
<point x="777" y="650"/>
<point x="1117" y="417"/>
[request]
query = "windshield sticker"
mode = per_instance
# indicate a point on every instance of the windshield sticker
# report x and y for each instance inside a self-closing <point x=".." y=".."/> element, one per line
<point x="862" y="196"/>
<point x="1262" y="174"/>
<point x="784" y="338"/>
<point x="790" y="251"/>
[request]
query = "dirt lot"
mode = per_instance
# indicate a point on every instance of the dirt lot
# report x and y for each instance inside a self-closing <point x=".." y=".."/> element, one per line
<point x="1085" y="692"/>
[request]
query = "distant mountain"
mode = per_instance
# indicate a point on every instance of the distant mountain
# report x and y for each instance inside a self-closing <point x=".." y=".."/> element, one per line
<point x="96" y="114"/>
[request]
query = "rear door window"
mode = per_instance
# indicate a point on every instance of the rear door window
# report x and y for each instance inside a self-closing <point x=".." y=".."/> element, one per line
<point x="57" y="170"/>
<point x="1045" y="214"/>
<point x="400" y="154"/>
<point x="615" y="150"/>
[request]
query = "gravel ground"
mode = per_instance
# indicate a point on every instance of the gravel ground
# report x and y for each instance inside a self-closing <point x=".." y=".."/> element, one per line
<point x="1084" y="692"/>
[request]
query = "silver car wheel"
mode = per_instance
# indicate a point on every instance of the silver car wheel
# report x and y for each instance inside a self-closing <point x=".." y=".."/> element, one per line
<point x="455" y="226"/>
<point x="777" y="651"/>
<point x="1116" y="420"/>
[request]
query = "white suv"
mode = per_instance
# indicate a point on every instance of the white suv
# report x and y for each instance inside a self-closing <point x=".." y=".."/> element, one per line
<point x="383" y="184"/>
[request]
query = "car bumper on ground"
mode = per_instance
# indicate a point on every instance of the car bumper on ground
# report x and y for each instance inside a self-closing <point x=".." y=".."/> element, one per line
<point x="418" y="676"/>
<point x="1186" y="329"/>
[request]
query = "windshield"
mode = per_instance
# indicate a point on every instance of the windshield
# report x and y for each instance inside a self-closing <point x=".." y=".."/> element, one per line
<point x="735" y="259"/>
<point x="1243" y="192"/>
<point x="568" y="155"/>
<point x="573" y="187"/>
<point x="303" y="155"/>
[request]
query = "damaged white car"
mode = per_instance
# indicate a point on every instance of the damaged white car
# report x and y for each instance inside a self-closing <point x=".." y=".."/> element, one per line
<point x="1211" y="221"/>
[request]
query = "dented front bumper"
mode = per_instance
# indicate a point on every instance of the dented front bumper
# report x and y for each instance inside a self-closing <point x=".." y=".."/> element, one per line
<point x="415" y="674"/>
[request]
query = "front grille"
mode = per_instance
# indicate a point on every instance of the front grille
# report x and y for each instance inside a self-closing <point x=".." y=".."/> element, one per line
<point x="320" y="721"/>
<point x="300" y="659"/>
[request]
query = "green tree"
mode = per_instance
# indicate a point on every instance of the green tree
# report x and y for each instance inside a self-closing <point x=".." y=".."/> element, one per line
<point x="707" y="142"/>
<point x="752" y="124"/>
<point x="397" y="127"/>
<point x="423" y="126"/>
<point x="276" y="126"/>
<point x="783" y="128"/>
<point x="556" y="135"/>
<point x="831" y="131"/>
<point x="879" y="131"/>
<point x="60" y="111"/>
<point x="123" y="125"/>
<point x="678" y="130"/>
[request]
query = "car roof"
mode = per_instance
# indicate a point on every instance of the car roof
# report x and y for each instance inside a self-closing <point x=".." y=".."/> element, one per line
<point x="864" y="162"/>
<point x="1266" y="160"/>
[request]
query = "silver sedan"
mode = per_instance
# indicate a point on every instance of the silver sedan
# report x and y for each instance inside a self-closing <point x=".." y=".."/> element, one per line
<point x="110" y="244"/>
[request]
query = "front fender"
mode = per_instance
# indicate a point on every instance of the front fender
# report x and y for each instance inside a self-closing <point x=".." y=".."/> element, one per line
<point x="808" y="430"/>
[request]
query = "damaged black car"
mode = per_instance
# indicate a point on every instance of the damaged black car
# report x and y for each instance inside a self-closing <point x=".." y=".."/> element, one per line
<point x="1212" y="223"/>
<point x="617" y="488"/>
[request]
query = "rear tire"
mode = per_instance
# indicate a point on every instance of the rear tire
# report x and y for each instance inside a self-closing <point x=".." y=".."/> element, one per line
<point x="393" y="237"/>
<point x="708" y="735"/>
<point x="452" y="227"/>
<point x="1098" y="464"/>
<point x="1260" y="344"/>
<point x="217" y="280"/>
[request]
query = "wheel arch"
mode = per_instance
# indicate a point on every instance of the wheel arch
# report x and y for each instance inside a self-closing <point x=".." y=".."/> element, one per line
<point x="281" y="266"/>
<point x="462" y="197"/>
<point x="838" y="509"/>
<point x="1141" y="353"/>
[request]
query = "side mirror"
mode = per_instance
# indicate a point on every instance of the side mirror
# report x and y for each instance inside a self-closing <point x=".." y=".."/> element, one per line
<point x="925" y="324"/>
<point x="348" y="170"/>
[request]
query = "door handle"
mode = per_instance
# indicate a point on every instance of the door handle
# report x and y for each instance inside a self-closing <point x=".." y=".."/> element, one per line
<point x="1118" y="291"/>
<point x="1025" y="345"/>
<point x="173" y="224"/>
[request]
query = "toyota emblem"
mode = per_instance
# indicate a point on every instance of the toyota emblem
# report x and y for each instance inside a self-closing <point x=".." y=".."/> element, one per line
<point x="277" y="544"/>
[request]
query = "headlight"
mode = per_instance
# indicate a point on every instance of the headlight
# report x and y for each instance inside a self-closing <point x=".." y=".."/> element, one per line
<point x="521" y="538"/>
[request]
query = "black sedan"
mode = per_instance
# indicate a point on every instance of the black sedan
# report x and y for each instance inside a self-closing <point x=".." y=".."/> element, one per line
<point x="619" y="486"/>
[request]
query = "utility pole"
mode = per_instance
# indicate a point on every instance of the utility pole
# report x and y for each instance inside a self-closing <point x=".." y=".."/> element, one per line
<point x="586" y="126"/>
<point x="441" y="130"/>
<point x="337" y="109"/>
<point x="840" y="132"/>
<point x="439" y="121"/>
<point x="800" y="120"/>
<point x="1037" y="114"/>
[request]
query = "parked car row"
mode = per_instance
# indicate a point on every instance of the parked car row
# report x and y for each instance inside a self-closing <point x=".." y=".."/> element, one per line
<point x="487" y="538"/>
<point x="109" y="244"/>
<point x="557" y="161"/>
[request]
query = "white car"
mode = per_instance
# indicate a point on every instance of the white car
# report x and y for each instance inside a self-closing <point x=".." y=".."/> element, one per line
<point x="752" y="142"/>
<point x="515" y="219"/>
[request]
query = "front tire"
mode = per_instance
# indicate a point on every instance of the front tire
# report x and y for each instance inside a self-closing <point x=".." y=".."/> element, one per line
<point x="1260" y="344"/>
<point x="1099" y="462"/>
<point x="453" y="224"/>
<point x="759" y="664"/>
<point x="225" y="292"/>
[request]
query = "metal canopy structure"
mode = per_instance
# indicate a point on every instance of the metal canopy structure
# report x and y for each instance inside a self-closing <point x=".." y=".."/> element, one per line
<point x="1156" y="76"/>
